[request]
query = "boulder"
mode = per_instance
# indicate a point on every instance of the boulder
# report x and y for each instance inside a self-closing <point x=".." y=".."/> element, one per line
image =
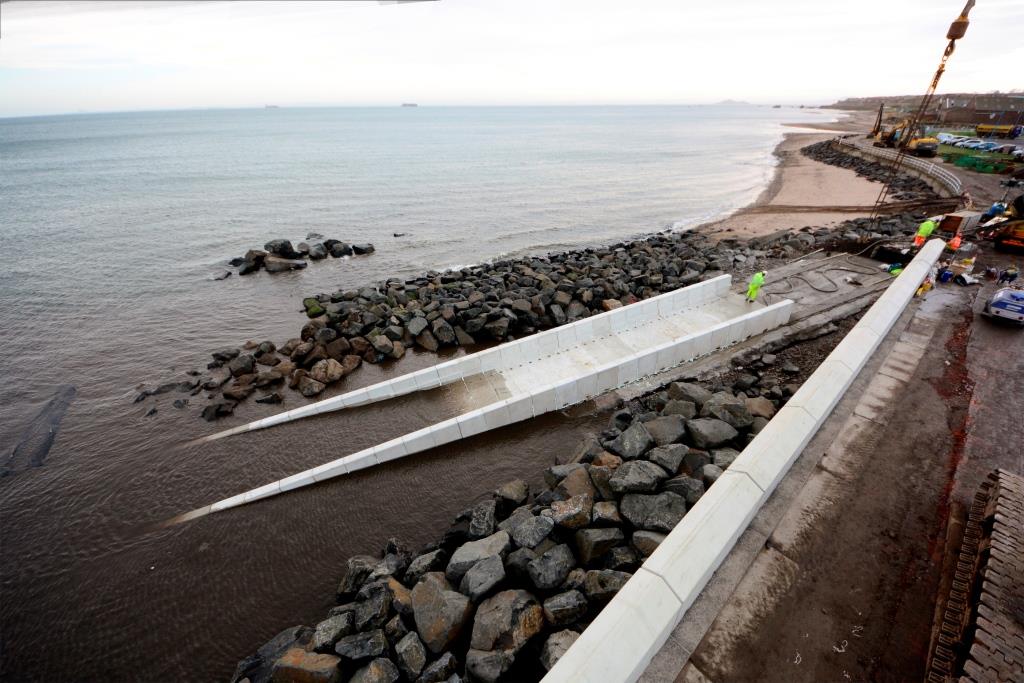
<point x="532" y="530"/>
<point x="317" y="251"/>
<point x="689" y="488"/>
<point x="314" y="309"/>
<point x="593" y="543"/>
<point x="506" y="621"/>
<point x="441" y="670"/>
<point x="282" y="248"/>
<point x="380" y="670"/>
<point x="362" y="646"/>
<point x="723" y="457"/>
<point x="555" y="646"/>
<point x="327" y="371"/>
<point x="565" y="608"/>
<point x="482" y="578"/>
<point x="669" y="457"/>
<point x="632" y="443"/>
<point x="606" y="512"/>
<point x="481" y="522"/>
<point x="275" y="264"/>
<point x="688" y="391"/>
<point x="357" y="568"/>
<point x="440" y="613"/>
<point x="574" y="512"/>
<point x="487" y="665"/>
<point x="427" y="340"/>
<point x="667" y="429"/>
<point x="637" y="475"/>
<point x="416" y="325"/>
<point x="660" y="512"/>
<point x="708" y="432"/>
<point x="514" y="492"/>
<point x="646" y="542"/>
<point x="309" y="387"/>
<point x="244" y="364"/>
<point x="550" y="569"/>
<point x="602" y="584"/>
<point x="362" y="249"/>
<point x="601" y="478"/>
<point x="710" y="474"/>
<point x="218" y="409"/>
<point x="576" y="483"/>
<point x="760" y="406"/>
<point x="331" y="630"/>
<point x="411" y="655"/>
<point x="470" y="553"/>
<point x="226" y="354"/>
<point x="298" y="666"/>
<point x="621" y="558"/>
<point x="433" y="561"/>
<point x="685" y="409"/>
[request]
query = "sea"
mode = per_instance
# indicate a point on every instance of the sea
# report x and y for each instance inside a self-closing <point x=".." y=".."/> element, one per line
<point x="113" y="228"/>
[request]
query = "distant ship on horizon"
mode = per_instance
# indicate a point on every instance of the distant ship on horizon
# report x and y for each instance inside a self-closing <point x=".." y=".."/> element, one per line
<point x="409" y="104"/>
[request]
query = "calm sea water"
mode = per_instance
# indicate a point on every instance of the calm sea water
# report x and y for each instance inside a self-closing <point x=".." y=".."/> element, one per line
<point x="112" y="227"/>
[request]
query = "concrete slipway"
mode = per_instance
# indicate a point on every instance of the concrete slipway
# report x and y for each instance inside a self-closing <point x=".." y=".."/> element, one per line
<point x="543" y="372"/>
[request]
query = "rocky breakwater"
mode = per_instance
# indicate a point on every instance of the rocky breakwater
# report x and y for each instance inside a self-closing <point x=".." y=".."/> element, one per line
<point x="904" y="187"/>
<point x="516" y="578"/>
<point x="488" y="303"/>
<point x="278" y="256"/>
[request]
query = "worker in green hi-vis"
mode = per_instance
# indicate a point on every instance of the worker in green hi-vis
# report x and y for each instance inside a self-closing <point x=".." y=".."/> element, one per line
<point x="755" y="285"/>
<point x="924" y="231"/>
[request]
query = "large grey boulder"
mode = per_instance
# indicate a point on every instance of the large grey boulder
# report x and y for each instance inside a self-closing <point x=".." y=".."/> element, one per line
<point x="357" y="568"/>
<point x="380" y="670"/>
<point x="633" y="442"/>
<point x="481" y="522"/>
<point x="708" y="432"/>
<point x="362" y="646"/>
<point x="565" y="608"/>
<point x="728" y="408"/>
<point x="470" y="553"/>
<point x="411" y="655"/>
<point x="723" y="457"/>
<point x="666" y="429"/>
<point x="440" y="670"/>
<point x="593" y="543"/>
<point x="532" y="530"/>
<point x="659" y="512"/>
<point x="668" y="457"/>
<point x="602" y="584"/>
<point x="550" y="569"/>
<point x="440" y="613"/>
<point x="331" y="630"/>
<point x="637" y="475"/>
<point x="688" y="391"/>
<point x="488" y="665"/>
<point x="573" y="513"/>
<point x="646" y="542"/>
<point x="689" y="488"/>
<point x="556" y="645"/>
<point x="483" y="577"/>
<point x="506" y="621"/>
<point x="434" y="561"/>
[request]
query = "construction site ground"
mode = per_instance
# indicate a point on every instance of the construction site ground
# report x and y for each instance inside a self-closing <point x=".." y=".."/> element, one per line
<point x="839" y="576"/>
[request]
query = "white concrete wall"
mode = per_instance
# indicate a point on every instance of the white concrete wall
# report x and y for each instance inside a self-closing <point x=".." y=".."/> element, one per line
<point x="543" y="399"/>
<point x="621" y="641"/>
<point x="511" y="353"/>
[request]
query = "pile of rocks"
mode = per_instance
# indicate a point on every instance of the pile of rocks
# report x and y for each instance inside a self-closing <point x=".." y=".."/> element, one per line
<point x="904" y="187"/>
<point x="491" y="302"/>
<point x="279" y="255"/>
<point x="516" y="578"/>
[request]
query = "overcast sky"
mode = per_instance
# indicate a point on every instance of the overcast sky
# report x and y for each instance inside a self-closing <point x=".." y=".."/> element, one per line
<point x="93" y="56"/>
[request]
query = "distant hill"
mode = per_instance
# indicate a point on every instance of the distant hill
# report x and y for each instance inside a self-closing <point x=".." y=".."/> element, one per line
<point x="988" y="101"/>
<point x="732" y="103"/>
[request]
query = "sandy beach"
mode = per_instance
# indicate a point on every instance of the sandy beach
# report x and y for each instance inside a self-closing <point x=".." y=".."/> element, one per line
<point x="800" y="185"/>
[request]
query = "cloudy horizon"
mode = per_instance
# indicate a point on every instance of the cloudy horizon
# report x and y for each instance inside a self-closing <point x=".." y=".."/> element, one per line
<point x="61" y="57"/>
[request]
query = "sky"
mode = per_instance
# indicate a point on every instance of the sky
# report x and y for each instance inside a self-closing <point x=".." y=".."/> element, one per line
<point x="59" y="57"/>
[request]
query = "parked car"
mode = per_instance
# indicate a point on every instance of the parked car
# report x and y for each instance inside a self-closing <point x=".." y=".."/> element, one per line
<point x="945" y="137"/>
<point x="964" y="143"/>
<point x="1018" y="154"/>
<point x="987" y="146"/>
<point x="1004" y="149"/>
<point x="1006" y="303"/>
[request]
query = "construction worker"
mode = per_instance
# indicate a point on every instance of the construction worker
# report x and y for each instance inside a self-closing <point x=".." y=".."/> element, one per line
<point x="755" y="285"/>
<point x="924" y="231"/>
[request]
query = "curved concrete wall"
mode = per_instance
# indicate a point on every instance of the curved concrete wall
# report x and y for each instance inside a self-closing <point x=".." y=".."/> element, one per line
<point x="540" y="400"/>
<point x="508" y="354"/>
<point x="621" y="641"/>
<point x="939" y="179"/>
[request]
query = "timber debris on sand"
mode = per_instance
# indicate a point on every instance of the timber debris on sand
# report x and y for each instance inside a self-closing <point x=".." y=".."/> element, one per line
<point x="278" y="256"/>
<point x="515" y="578"/>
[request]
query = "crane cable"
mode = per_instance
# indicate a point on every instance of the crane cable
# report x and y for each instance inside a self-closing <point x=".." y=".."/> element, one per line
<point x="956" y="31"/>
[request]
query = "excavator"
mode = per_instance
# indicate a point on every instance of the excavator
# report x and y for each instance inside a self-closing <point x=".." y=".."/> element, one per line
<point x="896" y="136"/>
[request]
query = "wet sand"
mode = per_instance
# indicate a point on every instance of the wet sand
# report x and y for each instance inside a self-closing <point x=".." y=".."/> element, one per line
<point x="801" y="185"/>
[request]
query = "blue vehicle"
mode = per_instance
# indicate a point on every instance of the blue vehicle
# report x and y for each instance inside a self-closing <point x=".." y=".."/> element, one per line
<point x="1006" y="303"/>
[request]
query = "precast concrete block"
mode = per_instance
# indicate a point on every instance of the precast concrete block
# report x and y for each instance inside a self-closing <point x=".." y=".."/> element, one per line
<point x="472" y="423"/>
<point x="496" y="415"/>
<point x="263" y="492"/>
<point x="823" y="389"/>
<point x="391" y="450"/>
<point x="519" y="408"/>
<point x="427" y="378"/>
<point x="543" y="400"/>
<point x="767" y="458"/>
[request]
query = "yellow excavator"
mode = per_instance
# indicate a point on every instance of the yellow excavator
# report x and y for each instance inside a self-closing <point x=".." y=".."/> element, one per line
<point x="896" y="136"/>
